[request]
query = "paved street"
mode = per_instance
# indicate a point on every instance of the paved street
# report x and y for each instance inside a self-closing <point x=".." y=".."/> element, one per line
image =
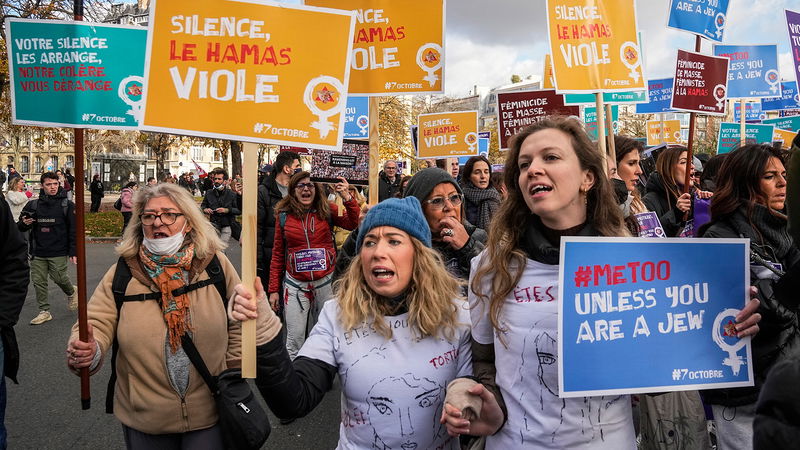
<point x="43" y="411"/>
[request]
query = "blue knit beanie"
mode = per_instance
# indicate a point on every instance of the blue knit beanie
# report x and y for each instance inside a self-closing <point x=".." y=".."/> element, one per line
<point x="402" y="213"/>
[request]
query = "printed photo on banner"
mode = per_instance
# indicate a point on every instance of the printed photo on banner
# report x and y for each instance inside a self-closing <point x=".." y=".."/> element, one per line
<point x="235" y="70"/>
<point x="789" y="99"/>
<point x="664" y="132"/>
<point x="753" y="70"/>
<point x="398" y="46"/>
<point x="752" y="112"/>
<point x="791" y="123"/>
<point x="356" y="118"/>
<point x="72" y="74"/>
<point x="793" y="28"/>
<point x="519" y="109"/>
<point x="785" y="137"/>
<point x="352" y="163"/>
<point x="706" y="19"/>
<point x="730" y="135"/>
<point x="595" y="46"/>
<point x="590" y="120"/>
<point x="447" y="134"/>
<point x="700" y="83"/>
<point x="625" y="300"/>
<point x="659" y="97"/>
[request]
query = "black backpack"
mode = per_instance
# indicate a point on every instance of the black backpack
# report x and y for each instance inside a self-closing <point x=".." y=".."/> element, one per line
<point x="122" y="276"/>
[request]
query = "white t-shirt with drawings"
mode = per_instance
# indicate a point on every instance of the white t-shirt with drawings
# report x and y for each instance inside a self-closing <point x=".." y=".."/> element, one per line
<point x="527" y="373"/>
<point x="392" y="390"/>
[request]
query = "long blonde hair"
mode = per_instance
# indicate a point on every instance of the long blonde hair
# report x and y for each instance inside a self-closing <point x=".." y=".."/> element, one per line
<point x="430" y="297"/>
<point x="12" y="185"/>
<point x="504" y="261"/>
<point x="203" y="234"/>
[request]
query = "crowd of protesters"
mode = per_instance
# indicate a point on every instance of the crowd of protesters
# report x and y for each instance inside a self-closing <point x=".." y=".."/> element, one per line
<point x="374" y="293"/>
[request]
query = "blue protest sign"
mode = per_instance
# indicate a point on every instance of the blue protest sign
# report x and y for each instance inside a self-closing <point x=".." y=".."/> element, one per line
<point x="356" y="118"/>
<point x="752" y="112"/>
<point x="590" y="119"/>
<point x="753" y="70"/>
<point x="730" y="135"/>
<point x="791" y="123"/>
<point x="483" y="150"/>
<point x="637" y="315"/>
<point x="611" y="98"/>
<point x="789" y="99"/>
<point x="660" y="94"/>
<point x="706" y="18"/>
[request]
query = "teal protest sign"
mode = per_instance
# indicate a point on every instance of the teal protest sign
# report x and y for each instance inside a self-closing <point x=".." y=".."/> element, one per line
<point x="73" y="74"/>
<point x="590" y="119"/>
<point x="791" y="123"/>
<point x="730" y="135"/>
<point x="612" y="98"/>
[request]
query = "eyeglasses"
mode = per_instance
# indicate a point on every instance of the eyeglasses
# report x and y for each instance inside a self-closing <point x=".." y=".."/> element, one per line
<point x="438" y="202"/>
<point x="167" y="218"/>
<point x="301" y="186"/>
<point x="390" y="168"/>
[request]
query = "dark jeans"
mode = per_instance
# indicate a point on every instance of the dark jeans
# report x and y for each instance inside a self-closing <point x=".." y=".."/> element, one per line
<point x="126" y="217"/>
<point x="3" y="432"/>
<point x="95" y="204"/>
<point x="208" y="439"/>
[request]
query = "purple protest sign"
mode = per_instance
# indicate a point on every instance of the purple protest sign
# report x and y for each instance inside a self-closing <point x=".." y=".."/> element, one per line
<point x="793" y="26"/>
<point x="649" y="225"/>
<point x="310" y="260"/>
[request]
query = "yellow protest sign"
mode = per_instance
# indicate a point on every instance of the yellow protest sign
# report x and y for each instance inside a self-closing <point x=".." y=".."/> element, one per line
<point x="249" y="72"/>
<point x="547" y="78"/>
<point x="398" y="45"/>
<point x="785" y="136"/>
<point x="448" y="134"/>
<point x="594" y="46"/>
<point x="670" y="135"/>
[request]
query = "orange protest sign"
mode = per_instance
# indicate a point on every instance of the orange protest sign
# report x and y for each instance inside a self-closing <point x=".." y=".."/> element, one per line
<point x="670" y="135"/>
<point x="547" y="78"/>
<point x="448" y="134"/>
<point x="595" y="46"/>
<point x="784" y="136"/>
<point x="244" y="71"/>
<point x="398" y="45"/>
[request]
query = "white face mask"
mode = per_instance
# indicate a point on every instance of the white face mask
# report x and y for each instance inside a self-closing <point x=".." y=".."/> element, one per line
<point x="165" y="246"/>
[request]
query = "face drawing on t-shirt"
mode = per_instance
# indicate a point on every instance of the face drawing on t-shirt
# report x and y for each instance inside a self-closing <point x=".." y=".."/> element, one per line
<point x="546" y="352"/>
<point x="404" y="410"/>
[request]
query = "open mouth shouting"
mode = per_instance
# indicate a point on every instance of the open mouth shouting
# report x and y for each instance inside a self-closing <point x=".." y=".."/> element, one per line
<point x="382" y="274"/>
<point x="539" y="190"/>
<point x="159" y="235"/>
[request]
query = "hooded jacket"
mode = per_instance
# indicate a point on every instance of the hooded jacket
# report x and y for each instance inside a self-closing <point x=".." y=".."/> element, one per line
<point x="53" y="232"/>
<point x="779" y="333"/>
<point x="656" y="200"/>
<point x="14" y="279"/>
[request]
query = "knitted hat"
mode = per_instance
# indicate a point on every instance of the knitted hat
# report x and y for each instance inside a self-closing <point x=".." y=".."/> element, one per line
<point x="402" y="213"/>
<point x="423" y="182"/>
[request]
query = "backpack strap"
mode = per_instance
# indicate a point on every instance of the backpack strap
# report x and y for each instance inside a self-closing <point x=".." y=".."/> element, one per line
<point x="119" y="284"/>
<point x="64" y="206"/>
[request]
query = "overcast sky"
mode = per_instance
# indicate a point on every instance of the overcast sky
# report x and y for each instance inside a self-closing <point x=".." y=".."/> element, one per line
<point x="489" y="40"/>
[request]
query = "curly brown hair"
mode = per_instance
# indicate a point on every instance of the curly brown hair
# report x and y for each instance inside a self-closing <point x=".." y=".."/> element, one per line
<point x="292" y="205"/>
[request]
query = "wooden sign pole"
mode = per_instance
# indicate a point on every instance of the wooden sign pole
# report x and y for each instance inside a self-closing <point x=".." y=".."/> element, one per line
<point x="742" y="123"/>
<point x="612" y="151"/>
<point x="601" y="128"/>
<point x="249" y="247"/>
<point x="374" y="149"/>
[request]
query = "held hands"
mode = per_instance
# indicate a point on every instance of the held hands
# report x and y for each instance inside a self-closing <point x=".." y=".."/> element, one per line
<point x="684" y="202"/>
<point x="489" y="421"/>
<point x="453" y="232"/>
<point x="221" y="210"/>
<point x="704" y="194"/>
<point x="208" y="211"/>
<point x="241" y="308"/>
<point x="81" y="354"/>
<point x="747" y="319"/>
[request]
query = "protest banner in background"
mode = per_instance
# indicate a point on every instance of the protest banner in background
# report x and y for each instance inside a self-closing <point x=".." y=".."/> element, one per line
<point x="636" y="316"/>
<point x="649" y="225"/>
<point x="356" y="118"/>
<point x="752" y="112"/>
<point x="659" y="95"/>
<point x="730" y="135"/>
<point x="398" y="46"/>
<point x="68" y="74"/>
<point x="590" y="119"/>
<point x="789" y="112"/>
<point x="753" y="70"/>
<point x="298" y="150"/>
<point x="791" y="123"/>
<point x="235" y="70"/>
<point x="517" y="110"/>
<point x="793" y="27"/>
<point x="789" y="99"/>
<point x="352" y="163"/>
<point x="609" y="98"/>
<point x="448" y="134"/>
<point x="670" y="135"/>
<point x="548" y="81"/>
<point x="705" y="18"/>
<point x="785" y="137"/>
<point x="701" y="83"/>
<point x="594" y="46"/>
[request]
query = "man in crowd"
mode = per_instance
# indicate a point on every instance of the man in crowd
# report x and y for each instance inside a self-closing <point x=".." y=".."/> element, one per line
<point x="14" y="278"/>
<point x="51" y="219"/>
<point x="220" y="204"/>
<point x="273" y="188"/>
<point x="152" y="181"/>
<point x="388" y="181"/>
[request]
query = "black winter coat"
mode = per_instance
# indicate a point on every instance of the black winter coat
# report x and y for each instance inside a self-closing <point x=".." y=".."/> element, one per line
<point x="779" y="333"/>
<point x="14" y="278"/>
<point x="268" y="196"/>
<point x="53" y="232"/>
<point x="96" y="189"/>
<point x="777" y="421"/>
<point x="656" y="200"/>
<point x="225" y="198"/>
<point x="387" y="189"/>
